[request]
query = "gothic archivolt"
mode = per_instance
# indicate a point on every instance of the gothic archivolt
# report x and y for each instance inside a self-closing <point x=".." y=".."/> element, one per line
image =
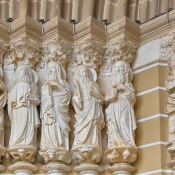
<point x="48" y="88"/>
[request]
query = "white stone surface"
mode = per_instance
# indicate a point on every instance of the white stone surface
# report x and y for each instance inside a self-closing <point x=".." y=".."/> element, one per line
<point x="147" y="54"/>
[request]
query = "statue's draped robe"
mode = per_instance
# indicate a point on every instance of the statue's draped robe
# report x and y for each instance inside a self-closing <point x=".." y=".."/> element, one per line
<point x="121" y="121"/>
<point x="23" y="116"/>
<point x="55" y="118"/>
<point x="89" y="120"/>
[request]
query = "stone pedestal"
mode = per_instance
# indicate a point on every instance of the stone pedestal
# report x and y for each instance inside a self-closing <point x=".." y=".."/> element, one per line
<point x="22" y="168"/>
<point x="121" y="169"/>
<point x="55" y="168"/>
<point x="88" y="169"/>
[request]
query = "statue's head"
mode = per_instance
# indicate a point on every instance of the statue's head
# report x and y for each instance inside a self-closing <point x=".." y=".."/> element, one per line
<point x="23" y="74"/>
<point x="121" y="70"/>
<point x="84" y="72"/>
<point x="171" y="62"/>
<point x="53" y="72"/>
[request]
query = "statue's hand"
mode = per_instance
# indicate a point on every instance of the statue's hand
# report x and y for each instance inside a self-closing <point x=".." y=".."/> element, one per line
<point x="56" y="84"/>
<point x="53" y="83"/>
<point x="33" y="99"/>
<point x="122" y="87"/>
<point x="94" y="92"/>
<point x="77" y="102"/>
<point x="110" y="97"/>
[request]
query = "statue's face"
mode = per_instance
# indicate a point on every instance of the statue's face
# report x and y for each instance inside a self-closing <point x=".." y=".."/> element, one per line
<point x="23" y="74"/>
<point x="83" y="72"/>
<point x="51" y="70"/>
<point x="119" y="68"/>
<point x="23" y="70"/>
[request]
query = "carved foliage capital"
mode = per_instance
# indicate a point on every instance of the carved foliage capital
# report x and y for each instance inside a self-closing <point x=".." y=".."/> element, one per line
<point x="122" y="50"/>
<point x="57" y="51"/>
<point x="167" y="45"/>
<point x="24" y="52"/>
<point x="88" y="53"/>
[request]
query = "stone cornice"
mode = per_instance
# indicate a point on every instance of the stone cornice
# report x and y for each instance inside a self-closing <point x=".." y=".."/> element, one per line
<point x="88" y="28"/>
<point x="156" y="28"/>
<point x="123" y="28"/>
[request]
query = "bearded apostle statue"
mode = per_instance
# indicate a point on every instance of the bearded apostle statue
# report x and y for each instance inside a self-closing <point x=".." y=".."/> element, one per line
<point x="3" y="100"/>
<point x="121" y="123"/>
<point x="54" y="115"/>
<point x="170" y="108"/>
<point x="87" y="102"/>
<point x="22" y="110"/>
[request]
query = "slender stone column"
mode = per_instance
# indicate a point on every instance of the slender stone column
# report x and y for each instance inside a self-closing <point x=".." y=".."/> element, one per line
<point x="23" y="7"/>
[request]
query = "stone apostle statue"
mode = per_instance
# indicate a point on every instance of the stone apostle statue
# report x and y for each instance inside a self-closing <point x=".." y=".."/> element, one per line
<point x="22" y="108"/>
<point x="170" y="98"/>
<point x="120" y="116"/>
<point x="87" y="102"/>
<point x="3" y="100"/>
<point x="55" y="115"/>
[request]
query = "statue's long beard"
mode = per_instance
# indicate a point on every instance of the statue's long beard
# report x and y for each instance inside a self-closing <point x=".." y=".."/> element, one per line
<point x="85" y="80"/>
<point x="120" y="78"/>
<point x="52" y="77"/>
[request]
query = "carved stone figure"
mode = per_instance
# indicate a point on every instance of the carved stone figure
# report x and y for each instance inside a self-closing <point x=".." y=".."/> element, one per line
<point x="87" y="102"/>
<point x="120" y="116"/>
<point x="22" y="110"/>
<point x="170" y="109"/>
<point x="3" y="100"/>
<point x="170" y="98"/>
<point x="55" y="115"/>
